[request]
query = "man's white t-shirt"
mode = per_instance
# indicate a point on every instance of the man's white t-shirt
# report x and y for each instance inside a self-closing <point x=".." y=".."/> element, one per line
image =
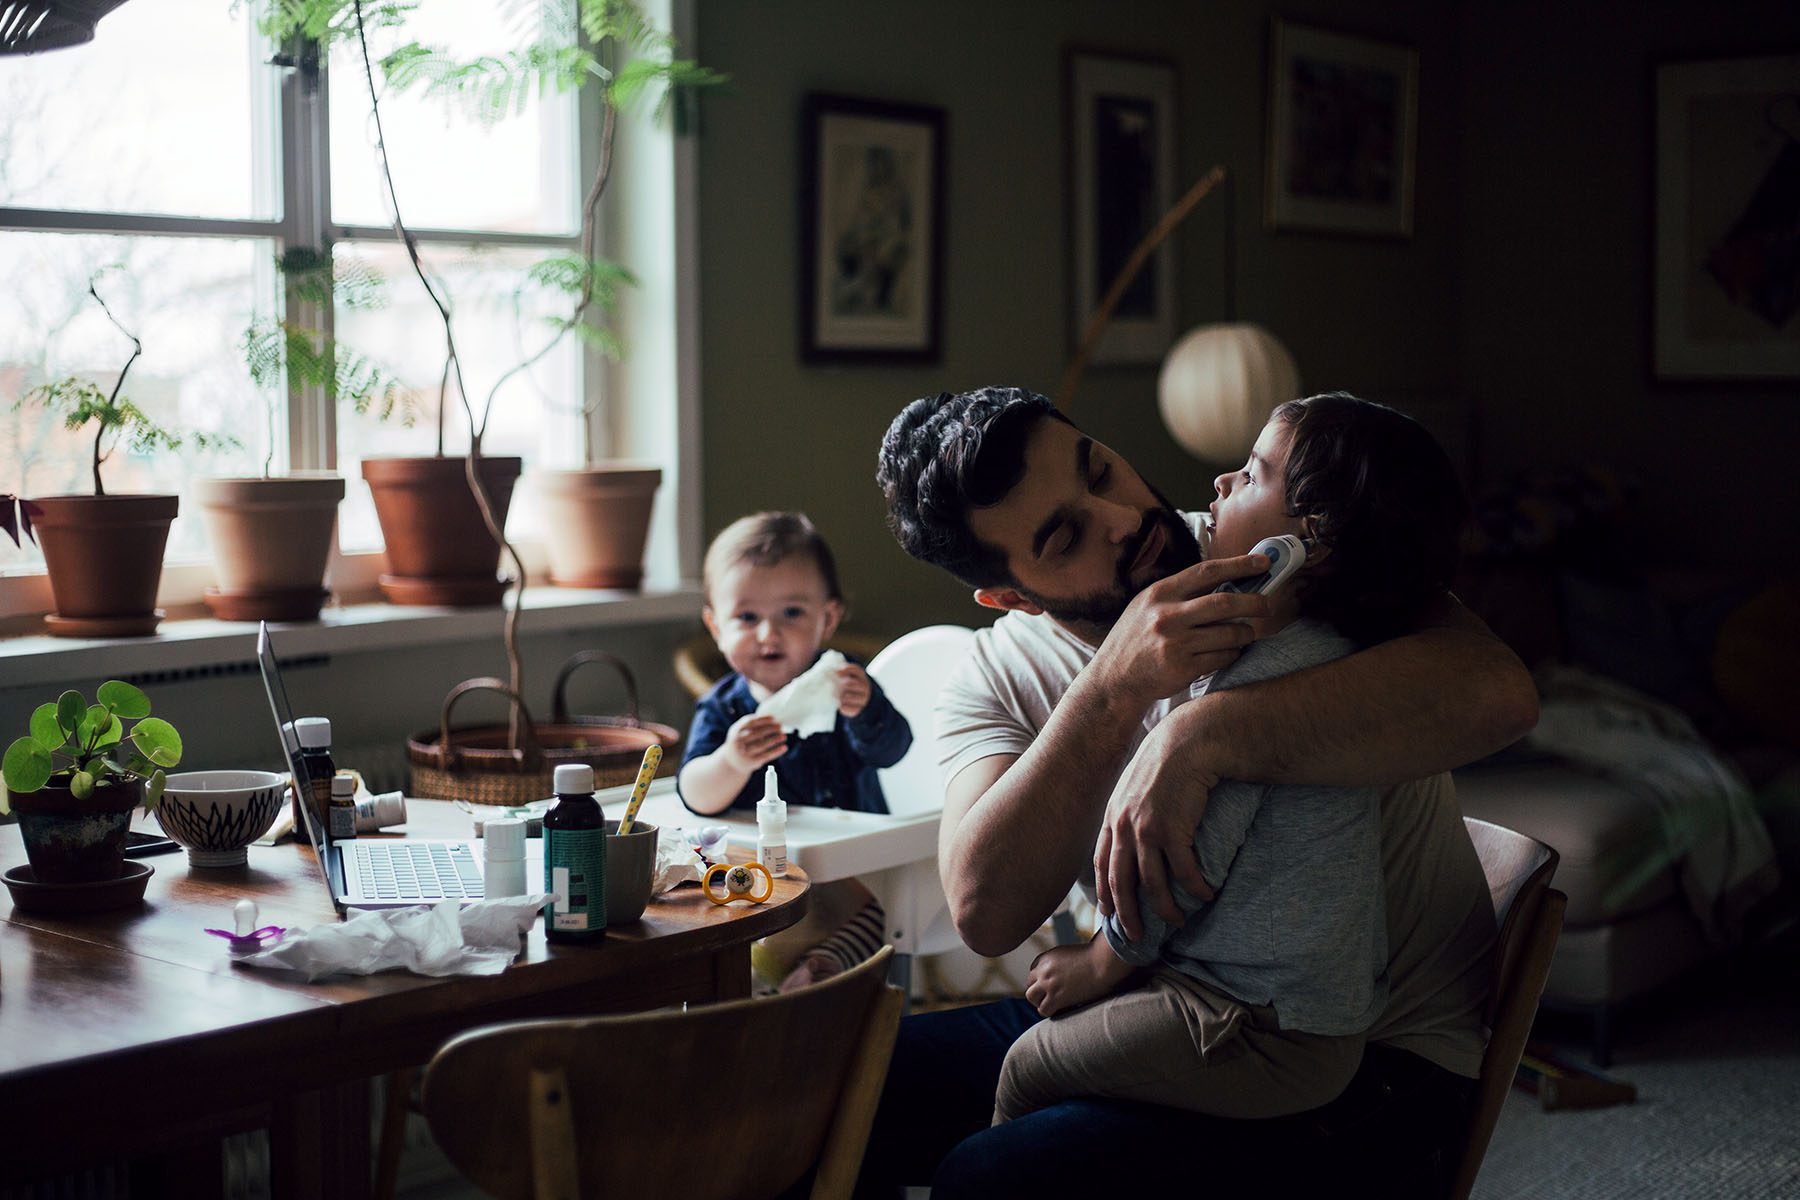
<point x="1440" y="918"/>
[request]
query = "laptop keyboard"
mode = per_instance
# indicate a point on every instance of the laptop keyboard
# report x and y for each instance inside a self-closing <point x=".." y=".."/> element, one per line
<point x="409" y="871"/>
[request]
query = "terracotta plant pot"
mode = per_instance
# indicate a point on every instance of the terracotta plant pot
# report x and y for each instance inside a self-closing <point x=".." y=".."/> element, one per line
<point x="597" y="522"/>
<point x="438" y="549"/>
<point x="77" y="841"/>
<point x="104" y="555"/>
<point x="270" y="539"/>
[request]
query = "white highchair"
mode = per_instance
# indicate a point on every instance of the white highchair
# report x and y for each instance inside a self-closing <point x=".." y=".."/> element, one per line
<point x="910" y="671"/>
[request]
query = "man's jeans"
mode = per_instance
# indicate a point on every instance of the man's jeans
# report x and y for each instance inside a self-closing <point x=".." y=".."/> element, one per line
<point x="1397" y="1127"/>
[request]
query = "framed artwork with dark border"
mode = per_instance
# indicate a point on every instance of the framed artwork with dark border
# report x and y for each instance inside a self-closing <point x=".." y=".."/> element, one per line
<point x="871" y="230"/>
<point x="1122" y="163"/>
<point x="1726" y="296"/>
<point x="1343" y="120"/>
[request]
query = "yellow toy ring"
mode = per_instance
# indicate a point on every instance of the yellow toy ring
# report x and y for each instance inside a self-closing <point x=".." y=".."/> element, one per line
<point x="739" y="879"/>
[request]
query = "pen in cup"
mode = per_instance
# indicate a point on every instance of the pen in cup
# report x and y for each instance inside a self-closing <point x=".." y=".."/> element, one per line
<point x="652" y="759"/>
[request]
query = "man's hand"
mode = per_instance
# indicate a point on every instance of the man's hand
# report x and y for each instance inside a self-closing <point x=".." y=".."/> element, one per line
<point x="754" y="741"/>
<point x="1069" y="976"/>
<point x="853" y="689"/>
<point x="1148" y="833"/>
<point x="1176" y="630"/>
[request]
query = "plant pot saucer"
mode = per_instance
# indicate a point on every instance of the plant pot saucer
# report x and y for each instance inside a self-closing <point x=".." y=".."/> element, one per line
<point x="53" y="899"/>
<point x="296" y="604"/>
<point x="627" y="578"/>
<point x="138" y="625"/>
<point x="453" y="591"/>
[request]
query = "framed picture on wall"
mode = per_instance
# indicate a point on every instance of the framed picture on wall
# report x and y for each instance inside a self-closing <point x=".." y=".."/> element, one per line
<point x="1343" y="116"/>
<point x="1727" y="289"/>
<point x="1122" y="163"/>
<point x="872" y="219"/>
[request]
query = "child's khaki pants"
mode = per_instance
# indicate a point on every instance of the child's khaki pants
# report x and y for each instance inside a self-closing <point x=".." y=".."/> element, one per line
<point x="1176" y="1042"/>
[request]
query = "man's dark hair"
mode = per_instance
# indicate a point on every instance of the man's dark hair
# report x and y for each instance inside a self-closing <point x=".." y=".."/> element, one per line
<point x="1383" y="497"/>
<point x="767" y="539"/>
<point x="946" y="454"/>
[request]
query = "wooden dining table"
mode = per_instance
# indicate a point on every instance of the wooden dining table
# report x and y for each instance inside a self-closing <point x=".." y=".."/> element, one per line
<point x="132" y="1036"/>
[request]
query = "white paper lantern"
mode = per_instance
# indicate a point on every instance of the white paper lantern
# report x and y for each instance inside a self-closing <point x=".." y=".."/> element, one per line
<point x="1218" y="386"/>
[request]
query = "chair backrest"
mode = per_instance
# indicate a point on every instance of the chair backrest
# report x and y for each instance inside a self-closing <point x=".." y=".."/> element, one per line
<point x="1530" y="916"/>
<point x="910" y="670"/>
<point x="732" y="1101"/>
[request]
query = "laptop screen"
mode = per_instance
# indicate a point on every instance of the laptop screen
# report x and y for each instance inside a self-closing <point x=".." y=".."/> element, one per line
<point x="290" y="747"/>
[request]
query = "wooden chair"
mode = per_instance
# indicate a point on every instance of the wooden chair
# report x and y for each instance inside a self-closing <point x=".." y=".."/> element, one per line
<point x="1530" y="915"/>
<point x="731" y="1101"/>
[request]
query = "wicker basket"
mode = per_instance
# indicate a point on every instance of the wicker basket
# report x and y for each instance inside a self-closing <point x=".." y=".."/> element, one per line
<point x="482" y="766"/>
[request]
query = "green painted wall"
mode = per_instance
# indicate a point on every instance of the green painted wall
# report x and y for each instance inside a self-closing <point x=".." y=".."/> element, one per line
<point x="1378" y="317"/>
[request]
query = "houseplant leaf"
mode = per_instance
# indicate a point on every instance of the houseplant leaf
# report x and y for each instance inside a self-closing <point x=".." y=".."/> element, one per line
<point x="27" y="766"/>
<point x="112" y="733"/>
<point x="157" y="740"/>
<point x="81" y="785"/>
<point x="69" y="710"/>
<point x="45" y="730"/>
<point x="153" y="789"/>
<point x="124" y="699"/>
<point x="95" y="721"/>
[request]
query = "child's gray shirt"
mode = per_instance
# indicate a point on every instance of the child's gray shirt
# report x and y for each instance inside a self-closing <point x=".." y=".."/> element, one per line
<point x="1297" y="922"/>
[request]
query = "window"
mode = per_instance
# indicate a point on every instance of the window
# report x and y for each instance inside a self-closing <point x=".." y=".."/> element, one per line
<point x="170" y="163"/>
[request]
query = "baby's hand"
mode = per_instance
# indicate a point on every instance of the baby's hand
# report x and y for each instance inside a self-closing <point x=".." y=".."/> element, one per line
<point x="1066" y="977"/>
<point x="754" y="741"/>
<point x="853" y="689"/>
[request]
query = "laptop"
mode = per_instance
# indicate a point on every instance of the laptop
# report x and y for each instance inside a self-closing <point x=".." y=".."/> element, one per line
<point x="364" y="873"/>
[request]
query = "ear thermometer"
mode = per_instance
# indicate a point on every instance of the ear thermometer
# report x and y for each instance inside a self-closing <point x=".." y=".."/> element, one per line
<point x="1286" y="554"/>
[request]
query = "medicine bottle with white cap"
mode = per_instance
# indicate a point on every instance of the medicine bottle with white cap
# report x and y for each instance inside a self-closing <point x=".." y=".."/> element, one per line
<point x="575" y="859"/>
<point x="771" y="826"/>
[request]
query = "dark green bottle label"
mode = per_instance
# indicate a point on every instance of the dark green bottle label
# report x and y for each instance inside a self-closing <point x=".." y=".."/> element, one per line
<point x="575" y="876"/>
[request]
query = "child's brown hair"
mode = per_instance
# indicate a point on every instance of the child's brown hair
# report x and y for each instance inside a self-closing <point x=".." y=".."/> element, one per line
<point x="764" y="539"/>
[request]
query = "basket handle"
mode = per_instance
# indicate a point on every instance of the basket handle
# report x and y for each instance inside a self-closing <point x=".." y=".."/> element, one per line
<point x="527" y="755"/>
<point x="559" y="707"/>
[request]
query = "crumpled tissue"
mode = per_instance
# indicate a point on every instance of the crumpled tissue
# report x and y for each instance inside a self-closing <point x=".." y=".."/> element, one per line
<point x="677" y="862"/>
<point x="438" y="939"/>
<point x="809" y="703"/>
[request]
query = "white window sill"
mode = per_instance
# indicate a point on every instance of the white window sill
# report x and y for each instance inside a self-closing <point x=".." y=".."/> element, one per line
<point x="37" y="659"/>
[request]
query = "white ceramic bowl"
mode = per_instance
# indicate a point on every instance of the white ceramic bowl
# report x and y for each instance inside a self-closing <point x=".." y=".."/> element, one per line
<point x="217" y="814"/>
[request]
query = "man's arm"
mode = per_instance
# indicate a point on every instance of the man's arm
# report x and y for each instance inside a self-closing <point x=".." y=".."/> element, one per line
<point x="1404" y="709"/>
<point x="1017" y="829"/>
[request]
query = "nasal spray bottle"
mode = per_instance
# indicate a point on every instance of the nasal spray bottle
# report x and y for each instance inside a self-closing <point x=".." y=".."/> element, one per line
<point x="771" y="826"/>
<point x="575" y="859"/>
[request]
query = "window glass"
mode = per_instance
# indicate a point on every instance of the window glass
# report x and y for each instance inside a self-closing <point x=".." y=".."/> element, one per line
<point x="127" y="123"/>
<point x="536" y="414"/>
<point x="188" y="301"/>
<point x="452" y="170"/>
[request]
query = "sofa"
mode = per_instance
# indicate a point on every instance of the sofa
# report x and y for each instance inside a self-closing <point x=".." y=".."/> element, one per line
<point x="1684" y="845"/>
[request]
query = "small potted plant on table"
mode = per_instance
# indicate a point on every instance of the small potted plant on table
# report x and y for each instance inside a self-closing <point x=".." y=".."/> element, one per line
<point x="75" y="779"/>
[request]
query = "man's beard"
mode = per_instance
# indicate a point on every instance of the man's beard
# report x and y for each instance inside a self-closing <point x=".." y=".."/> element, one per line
<point x="1180" y="551"/>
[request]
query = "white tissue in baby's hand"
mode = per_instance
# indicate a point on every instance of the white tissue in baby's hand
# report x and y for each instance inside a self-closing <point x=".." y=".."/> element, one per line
<point x="437" y="940"/>
<point x="809" y="703"/>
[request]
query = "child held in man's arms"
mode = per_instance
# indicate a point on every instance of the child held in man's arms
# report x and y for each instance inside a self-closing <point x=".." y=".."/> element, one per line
<point x="1257" y="1005"/>
<point x="772" y="599"/>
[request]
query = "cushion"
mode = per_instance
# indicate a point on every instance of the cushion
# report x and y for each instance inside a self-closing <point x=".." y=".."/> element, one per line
<point x="1604" y="833"/>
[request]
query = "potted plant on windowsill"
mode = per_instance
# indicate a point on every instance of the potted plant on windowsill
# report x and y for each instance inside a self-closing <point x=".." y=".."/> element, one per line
<point x="609" y="46"/>
<point x="271" y="535"/>
<point x="78" y="775"/>
<point x="104" y="552"/>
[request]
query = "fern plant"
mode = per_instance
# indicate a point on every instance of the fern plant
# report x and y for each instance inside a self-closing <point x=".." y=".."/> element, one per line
<point x="294" y="353"/>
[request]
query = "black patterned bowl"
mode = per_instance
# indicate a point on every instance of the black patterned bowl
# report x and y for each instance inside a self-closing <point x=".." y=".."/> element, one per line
<point x="216" y="814"/>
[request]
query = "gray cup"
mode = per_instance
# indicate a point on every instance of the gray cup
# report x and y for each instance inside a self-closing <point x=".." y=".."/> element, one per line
<point x="630" y="871"/>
